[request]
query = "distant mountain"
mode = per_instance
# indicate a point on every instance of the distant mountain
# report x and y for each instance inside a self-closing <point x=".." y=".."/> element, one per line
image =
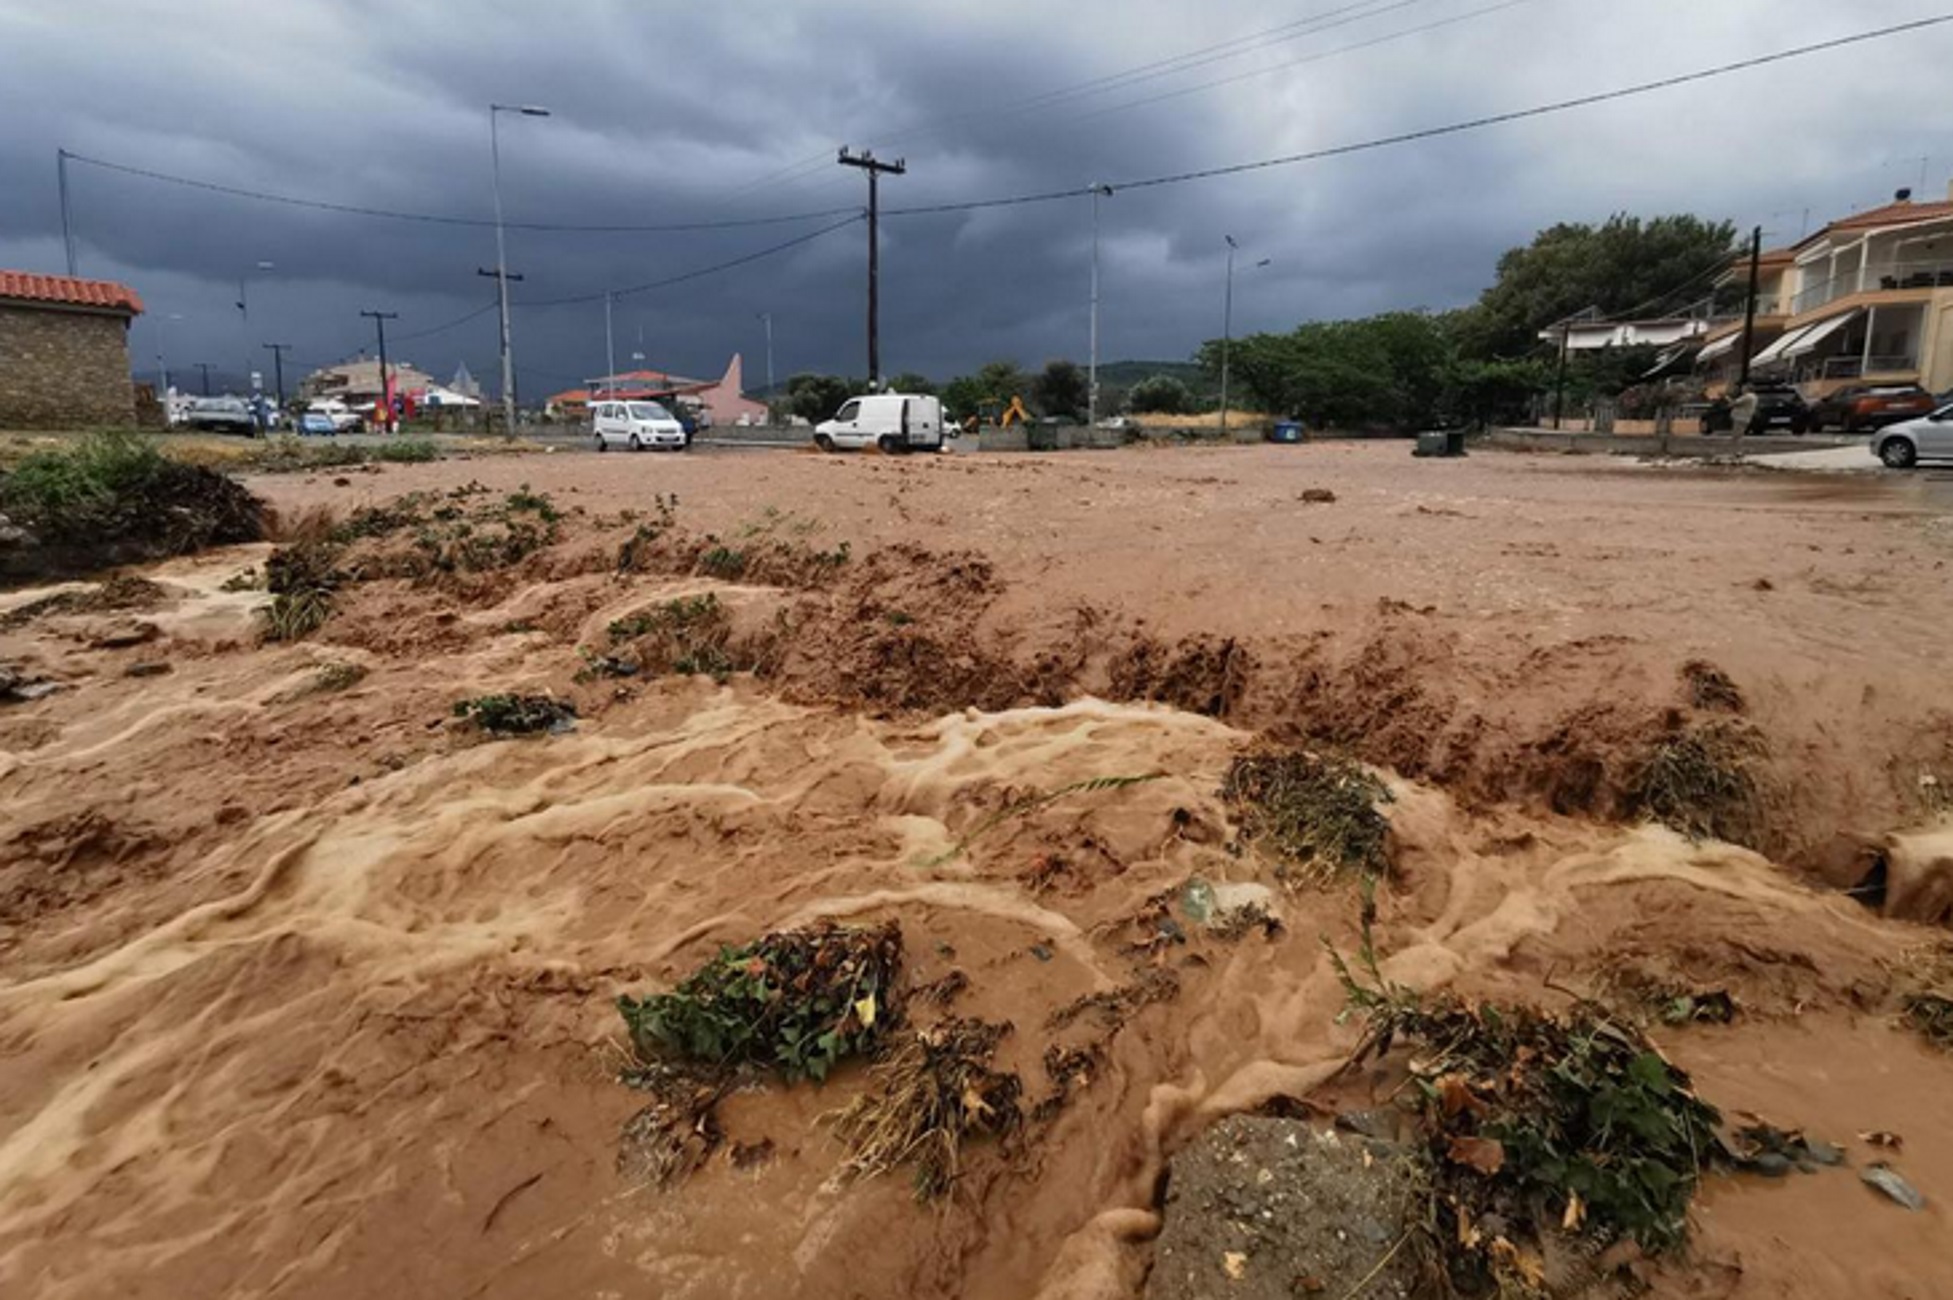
<point x="1124" y="374"/>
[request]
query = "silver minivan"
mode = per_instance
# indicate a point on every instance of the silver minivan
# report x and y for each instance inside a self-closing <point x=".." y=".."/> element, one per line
<point x="637" y="425"/>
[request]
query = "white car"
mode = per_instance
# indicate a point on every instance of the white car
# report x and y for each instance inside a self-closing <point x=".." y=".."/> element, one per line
<point x="894" y="422"/>
<point x="1930" y="437"/>
<point x="344" y="418"/>
<point x="637" y="425"/>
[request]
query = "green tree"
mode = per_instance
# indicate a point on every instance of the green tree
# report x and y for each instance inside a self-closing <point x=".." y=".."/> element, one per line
<point x="1160" y="393"/>
<point x="910" y="382"/>
<point x="1062" y="389"/>
<point x="1622" y="266"/>
<point x="992" y="386"/>
<point x="1388" y="370"/>
<point x="817" y="397"/>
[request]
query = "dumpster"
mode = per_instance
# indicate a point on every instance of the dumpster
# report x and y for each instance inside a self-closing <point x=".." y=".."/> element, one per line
<point x="1042" y="437"/>
<point x="1440" y="442"/>
<point x="1286" y="431"/>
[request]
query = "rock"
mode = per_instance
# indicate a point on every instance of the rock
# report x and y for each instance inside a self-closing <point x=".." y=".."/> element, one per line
<point x="121" y="636"/>
<point x="1267" y="1209"/>
<point x="147" y="668"/>
<point x="1317" y="496"/>
<point x="1888" y="1180"/>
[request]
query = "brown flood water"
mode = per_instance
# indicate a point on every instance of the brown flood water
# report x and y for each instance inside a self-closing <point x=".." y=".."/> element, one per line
<point x="310" y="995"/>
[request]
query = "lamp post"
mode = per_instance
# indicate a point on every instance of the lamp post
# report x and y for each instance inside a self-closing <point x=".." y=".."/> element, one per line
<point x="502" y="256"/>
<point x="244" y="311"/>
<point x="767" y="318"/>
<point x="1227" y="322"/>
<point x="1092" y="384"/>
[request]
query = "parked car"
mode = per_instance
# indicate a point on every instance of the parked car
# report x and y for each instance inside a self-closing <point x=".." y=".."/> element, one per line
<point x="637" y="425"/>
<point x="1778" y="406"/>
<point x="1871" y="406"/>
<point x="222" y="415"/>
<point x="1905" y="444"/>
<point x="316" y="424"/>
<point x="894" y="422"/>
<point x="344" y="418"/>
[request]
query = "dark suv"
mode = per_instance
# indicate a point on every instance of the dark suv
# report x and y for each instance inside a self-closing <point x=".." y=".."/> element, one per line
<point x="1871" y="406"/>
<point x="1778" y="406"/>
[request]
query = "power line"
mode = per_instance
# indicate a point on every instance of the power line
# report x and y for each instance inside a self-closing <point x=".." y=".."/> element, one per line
<point x="702" y="271"/>
<point x="1436" y="132"/>
<point x="442" y="329"/>
<point x="358" y="210"/>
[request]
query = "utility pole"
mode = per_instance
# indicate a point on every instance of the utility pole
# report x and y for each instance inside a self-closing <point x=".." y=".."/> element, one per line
<point x="867" y="162"/>
<point x="502" y="277"/>
<point x="610" y="349"/>
<point x="1749" y="308"/>
<point x="501" y="271"/>
<point x="1092" y="384"/>
<point x="67" y="211"/>
<point x="380" y="319"/>
<point x="278" y="351"/>
<point x="205" y="367"/>
<point x="1559" y="376"/>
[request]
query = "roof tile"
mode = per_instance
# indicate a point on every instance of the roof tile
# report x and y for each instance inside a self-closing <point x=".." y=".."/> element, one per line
<point x="68" y="291"/>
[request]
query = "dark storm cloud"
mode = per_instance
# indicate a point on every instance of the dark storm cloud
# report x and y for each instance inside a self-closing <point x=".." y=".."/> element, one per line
<point x="670" y="113"/>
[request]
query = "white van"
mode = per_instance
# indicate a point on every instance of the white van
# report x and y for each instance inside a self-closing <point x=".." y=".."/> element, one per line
<point x="892" y="421"/>
<point x="636" y="425"/>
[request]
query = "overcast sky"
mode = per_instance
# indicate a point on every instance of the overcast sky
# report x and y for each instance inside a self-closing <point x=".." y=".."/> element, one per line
<point x="676" y="112"/>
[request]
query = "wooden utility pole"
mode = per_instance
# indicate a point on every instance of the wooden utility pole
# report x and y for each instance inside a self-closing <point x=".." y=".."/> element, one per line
<point x="502" y="279"/>
<point x="278" y="351"/>
<point x="1749" y="309"/>
<point x="380" y="319"/>
<point x="867" y="162"/>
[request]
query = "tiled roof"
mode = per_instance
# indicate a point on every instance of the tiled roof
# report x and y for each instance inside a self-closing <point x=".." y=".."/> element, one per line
<point x="68" y="291"/>
<point x="1890" y="214"/>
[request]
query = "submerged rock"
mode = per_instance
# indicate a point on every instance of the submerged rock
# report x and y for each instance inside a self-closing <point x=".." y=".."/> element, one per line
<point x="1266" y="1208"/>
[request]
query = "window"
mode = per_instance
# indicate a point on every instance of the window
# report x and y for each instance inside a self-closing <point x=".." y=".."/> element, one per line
<point x="648" y="411"/>
<point x="848" y="411"/>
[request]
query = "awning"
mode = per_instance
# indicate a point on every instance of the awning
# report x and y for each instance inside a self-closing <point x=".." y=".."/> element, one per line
<point x="1776" y="351"/>
<point x="1719" y="348"/>
<point x="1816" y="334"/>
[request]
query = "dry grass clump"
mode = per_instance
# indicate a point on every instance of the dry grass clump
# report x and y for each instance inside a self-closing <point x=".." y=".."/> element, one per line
<point x="933" y="1091"/>
<point x="1319" y="815"/>
<point x="1701" y="781"/>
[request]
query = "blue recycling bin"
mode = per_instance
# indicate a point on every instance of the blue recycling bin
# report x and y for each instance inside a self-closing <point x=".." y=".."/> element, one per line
<point x="1286" y="431"/>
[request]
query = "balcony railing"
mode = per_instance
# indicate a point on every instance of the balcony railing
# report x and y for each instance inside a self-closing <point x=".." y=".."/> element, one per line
<point x="1853" y="367"/>
<point x="1886" y="276"/>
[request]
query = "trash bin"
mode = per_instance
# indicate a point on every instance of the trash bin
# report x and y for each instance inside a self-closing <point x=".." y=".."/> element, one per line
<point x="1286" y="431"/>
<point x="1042" y="437"/>
<point x="1440" y="442"/>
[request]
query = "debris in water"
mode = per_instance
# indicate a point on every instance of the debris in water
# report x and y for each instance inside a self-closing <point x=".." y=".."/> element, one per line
<point x="1316" y="497"/>
<point x="1710" y="688"/>
<point x="1699" y="782"/>
<point x="518" y="715"/>
<point x="1888" y="1180"/>
<point x="1762" y="1148"/>
<point x="1523" y="1111"/>
<point x="1881" y="1138"/>
<point x="1318" y="814"/>
<point x="933" y="1091"/>
<point x="799" y="1001"/>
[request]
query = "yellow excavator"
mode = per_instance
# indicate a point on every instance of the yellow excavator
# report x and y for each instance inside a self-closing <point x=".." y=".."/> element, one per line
<point x="1003" y="418"/>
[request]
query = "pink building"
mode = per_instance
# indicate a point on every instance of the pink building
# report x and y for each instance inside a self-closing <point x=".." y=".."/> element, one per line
<point x="723" y="397"/>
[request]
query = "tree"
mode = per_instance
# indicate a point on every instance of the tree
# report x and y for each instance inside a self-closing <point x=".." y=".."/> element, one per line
<point x="1062" y="389"/>
<point x="1626" y="265"/>
<point x="817" y="397"/>
<point x="910" y="382"/>
<point x="1161" y="393"/>
<point x="1388" y="370"/>
<point x="992" y="386"/>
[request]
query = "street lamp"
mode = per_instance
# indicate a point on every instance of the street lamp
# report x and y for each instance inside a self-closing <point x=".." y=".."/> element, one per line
<point x="502" y="256"/>
<point x="244" y="311"/>
<point x="1227" y="322"/>
<point x="767" y="317"/>
<point x="1092" y="385"/>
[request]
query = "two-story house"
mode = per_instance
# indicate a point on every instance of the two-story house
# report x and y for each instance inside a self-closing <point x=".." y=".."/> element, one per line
<point x="1866" y="299"/>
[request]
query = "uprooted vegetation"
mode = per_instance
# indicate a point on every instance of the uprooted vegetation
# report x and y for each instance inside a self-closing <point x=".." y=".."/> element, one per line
<point x="687" y="635"/>
<point x="123" y="591"/>
<point x="1548" y="1137"/>
<point x="517" y="715"/>
<point x="303" y="580"/>
<point x="1702" y="782"/>
<point x="1926" y="994"/>
<point x="798" y="1004"/>
<point x="114" y="498"/>
<point x="1320" y="816"/>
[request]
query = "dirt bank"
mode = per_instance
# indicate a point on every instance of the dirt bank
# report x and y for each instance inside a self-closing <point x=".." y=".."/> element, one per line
<point x="308" y="984"/>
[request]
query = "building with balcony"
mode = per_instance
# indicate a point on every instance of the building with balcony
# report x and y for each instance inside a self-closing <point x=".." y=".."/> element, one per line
<point x="1866" y="299"/>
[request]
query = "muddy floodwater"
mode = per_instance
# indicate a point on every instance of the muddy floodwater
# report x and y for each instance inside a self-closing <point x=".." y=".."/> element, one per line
<point x="307" y="985"/>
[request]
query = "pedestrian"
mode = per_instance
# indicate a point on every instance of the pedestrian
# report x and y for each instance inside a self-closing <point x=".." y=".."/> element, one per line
<point x="1742" y="412"/>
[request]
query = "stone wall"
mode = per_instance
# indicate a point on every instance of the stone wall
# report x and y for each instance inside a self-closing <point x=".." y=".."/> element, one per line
<point x="64" y="369"/>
